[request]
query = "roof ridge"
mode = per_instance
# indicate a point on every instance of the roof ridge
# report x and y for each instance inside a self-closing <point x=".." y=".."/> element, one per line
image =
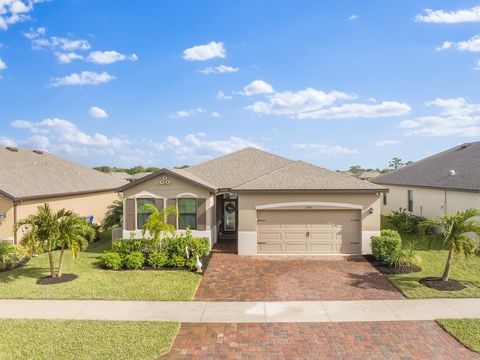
<point x="267" y="173"/>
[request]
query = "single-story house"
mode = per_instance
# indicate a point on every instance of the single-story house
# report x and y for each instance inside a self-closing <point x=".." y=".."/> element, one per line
<point x="30" y="178"/>
<point x="443" y="183"/>
<point x="369" y="175"/>
<point x="269" y="204"/>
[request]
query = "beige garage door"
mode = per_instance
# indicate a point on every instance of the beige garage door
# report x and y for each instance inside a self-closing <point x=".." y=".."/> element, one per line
<point x="308" y="232"/>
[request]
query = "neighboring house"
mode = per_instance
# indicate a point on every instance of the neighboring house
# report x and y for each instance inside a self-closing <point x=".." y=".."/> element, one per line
<point x="126" y="176"/>
<point x="271" y="204"/>
<point x="29" y="178"/>
<point x="369" y="175"/>
<point x="443" y="183"/>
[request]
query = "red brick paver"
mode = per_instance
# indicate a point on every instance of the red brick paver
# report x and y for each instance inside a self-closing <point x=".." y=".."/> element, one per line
<point x="230" y="277"/>
<point x="372" y="340"/>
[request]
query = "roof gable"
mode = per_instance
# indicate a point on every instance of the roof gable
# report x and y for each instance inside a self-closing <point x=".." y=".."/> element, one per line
<point x="435" y="171"/>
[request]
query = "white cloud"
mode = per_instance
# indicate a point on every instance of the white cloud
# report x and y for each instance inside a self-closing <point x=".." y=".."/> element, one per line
<point x="221" y="69"/>
<point x="109" y="57"/>
<point x="3" y="66"/>
<point x="216" y="114"/>
<point x="205" y="52"/>
<point x="326" y="149"/>
<point x="477" y="65"/>
<point x="383" y="143"/>
<point x="194" y="147"/>
<point x="67" y="58"/>
<point x="450" y="17"/>
<point x="15" y="11"/>
<point x="6" y="141"/>
<point x="257" y="87"/>
<point x="311" y="103"/>
<point x="353" y="17"/>
<point x="187" y="113"/>
<point x="97" y="112"/>
<point x="60" y="44"/>
<point x="221" y="96"/>
<point x="456" y="116"/>
<point x="472" y="45"/>
<point x="83" y="78"/>
<point x="62" y="135"/>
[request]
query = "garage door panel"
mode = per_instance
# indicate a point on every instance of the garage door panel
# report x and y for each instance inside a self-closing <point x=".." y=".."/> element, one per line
<point x="329" y="231"/>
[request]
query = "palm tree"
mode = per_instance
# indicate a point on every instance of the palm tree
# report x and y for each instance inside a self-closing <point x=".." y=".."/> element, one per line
<point x="156" y="224"/>
<point x="114" y="215"/>
<point x="74" y="232"/>
<point x="42" y="232"/>
<point x="456" y="230"/>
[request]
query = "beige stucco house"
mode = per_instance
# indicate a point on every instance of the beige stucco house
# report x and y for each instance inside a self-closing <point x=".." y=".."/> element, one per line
<point x="29" y="178"/>
<point x="269" y="204"/>
<point x="443" y="183"/>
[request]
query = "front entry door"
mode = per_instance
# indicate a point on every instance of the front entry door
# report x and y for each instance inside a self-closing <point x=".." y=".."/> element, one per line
<point x="229" y="215"/>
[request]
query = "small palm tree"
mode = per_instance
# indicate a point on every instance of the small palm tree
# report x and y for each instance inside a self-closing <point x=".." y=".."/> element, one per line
<point x="74" y="232"/>
<point x="156" y="224"/>
<point x="456" y="230"/>
<point x="114" y="215"/>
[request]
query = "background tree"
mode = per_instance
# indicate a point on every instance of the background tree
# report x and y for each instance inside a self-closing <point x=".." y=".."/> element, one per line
<point x="355" y="169"/>
<point x="395" y="163"/>
<point x="457" y="231"/>
<point x="113" y="216"/>
<point x="156" y="224"/>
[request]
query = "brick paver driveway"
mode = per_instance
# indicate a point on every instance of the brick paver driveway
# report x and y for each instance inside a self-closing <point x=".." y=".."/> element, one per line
<point x="230" y="277"/>
<point x="368" y="340"/>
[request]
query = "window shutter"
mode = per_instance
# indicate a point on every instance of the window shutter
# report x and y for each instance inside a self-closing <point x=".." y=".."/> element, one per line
<point x="172" y="219"/>
<point x="130" y="214"/>
<point x="201" y="214"/>
<point x="159" y="204"/>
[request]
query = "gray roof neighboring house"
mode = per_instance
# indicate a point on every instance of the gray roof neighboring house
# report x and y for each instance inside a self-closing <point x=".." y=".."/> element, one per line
<point x="457" y="168"/>
<point x="126" y="176"/>
<point x="252" y="169"/>
<point x="26" y="174"/>
<point x="367" y="175"/>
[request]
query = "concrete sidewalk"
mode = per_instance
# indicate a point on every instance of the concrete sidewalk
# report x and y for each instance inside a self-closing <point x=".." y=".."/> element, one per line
<point x="245" y="312"/>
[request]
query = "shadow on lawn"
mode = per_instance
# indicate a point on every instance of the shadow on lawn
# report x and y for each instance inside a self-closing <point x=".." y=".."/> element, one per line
<point x="23" y="272"/>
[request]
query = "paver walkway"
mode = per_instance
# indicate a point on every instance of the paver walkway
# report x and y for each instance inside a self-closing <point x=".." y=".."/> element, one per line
<point x="230" y="277"/>
<point x="373" y="340"/>
<point x="246" y="312"/>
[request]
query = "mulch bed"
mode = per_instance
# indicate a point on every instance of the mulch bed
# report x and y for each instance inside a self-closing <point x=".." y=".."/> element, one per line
<point x="437" y="284"/>
<point x="48" y="280"/>
<point x="391" y="270"/>
<point x="17" y="264"/>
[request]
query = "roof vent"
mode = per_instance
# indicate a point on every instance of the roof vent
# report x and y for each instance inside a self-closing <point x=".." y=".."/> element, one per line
<point x="11" y="148"/>
<point x="453" y="172"/>
<point x="39" y="152"/>
<point x="464" y="146"/>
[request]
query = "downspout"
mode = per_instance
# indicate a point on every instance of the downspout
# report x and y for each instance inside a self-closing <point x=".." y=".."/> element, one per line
<point x="445" y="204"/>
<point x="15" y="221"/>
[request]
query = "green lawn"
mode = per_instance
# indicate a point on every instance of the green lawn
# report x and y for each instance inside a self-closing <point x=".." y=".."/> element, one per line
<point x="96" y="283"/>
<point x="467" y="331"/>
<point x="82" y="339"/>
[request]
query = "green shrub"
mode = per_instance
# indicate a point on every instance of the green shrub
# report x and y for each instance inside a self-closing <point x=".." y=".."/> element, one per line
<point x="190" y="263"/>
<point x="405" y="258"/>
<point x="111" y="260"/>
<point x="404" y="222"/>
<point x="385" y="245"/>
<point x="176" y="261"/>
<point x="177" y="245"/>
<point x="11" y="255"/>
<point x="157" y="259"/>
<point x="134" y="260"/>
<point x="127" y="246"/>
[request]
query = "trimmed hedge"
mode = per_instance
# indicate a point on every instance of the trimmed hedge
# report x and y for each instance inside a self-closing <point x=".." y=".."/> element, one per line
<point x="386" y="245"/>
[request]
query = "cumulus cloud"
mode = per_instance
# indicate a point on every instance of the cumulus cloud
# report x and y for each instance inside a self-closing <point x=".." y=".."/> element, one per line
<point x="187" y="113"/>
<point x="109" y="57"/>
<point x="216" y="114"/>
<point x="39" y="40"/>
<point x="15" y="11"/>
<point x="6" y="141"/>
<point x="326" y="149"/>
<point x="257" y="87"/>
<point x="312" y="103"/>
<point x="82" y="78"/>
<point x="205" y="52"/>
<point x="97" y="112"/>
<point x="455" y="116"/>
<point x="221" y="69"/>
<point x="383" y="143"/>
<point x="353" y="17"/>
<point x="67" y="58"/>
<point x="3" y="66"/>
<point x="450" y="17"/>
<point x="222" y="96"/>
<point x="472" y="45"/>
<point x="196" y="147"/>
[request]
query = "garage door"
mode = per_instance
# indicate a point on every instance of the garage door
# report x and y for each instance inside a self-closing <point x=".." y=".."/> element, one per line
<point x="308" y="232"/>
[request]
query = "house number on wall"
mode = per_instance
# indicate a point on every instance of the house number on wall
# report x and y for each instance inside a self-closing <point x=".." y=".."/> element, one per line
<point x="164" y="181"/>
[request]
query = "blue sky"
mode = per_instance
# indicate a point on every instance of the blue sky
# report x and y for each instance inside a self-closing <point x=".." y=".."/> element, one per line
<point x="164" y="83"/>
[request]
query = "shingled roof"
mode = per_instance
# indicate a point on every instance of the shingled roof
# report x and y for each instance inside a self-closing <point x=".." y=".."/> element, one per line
<point x="26" y="173"/>
<point x="252" y="169"/>
<point x="457" y="168"/>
